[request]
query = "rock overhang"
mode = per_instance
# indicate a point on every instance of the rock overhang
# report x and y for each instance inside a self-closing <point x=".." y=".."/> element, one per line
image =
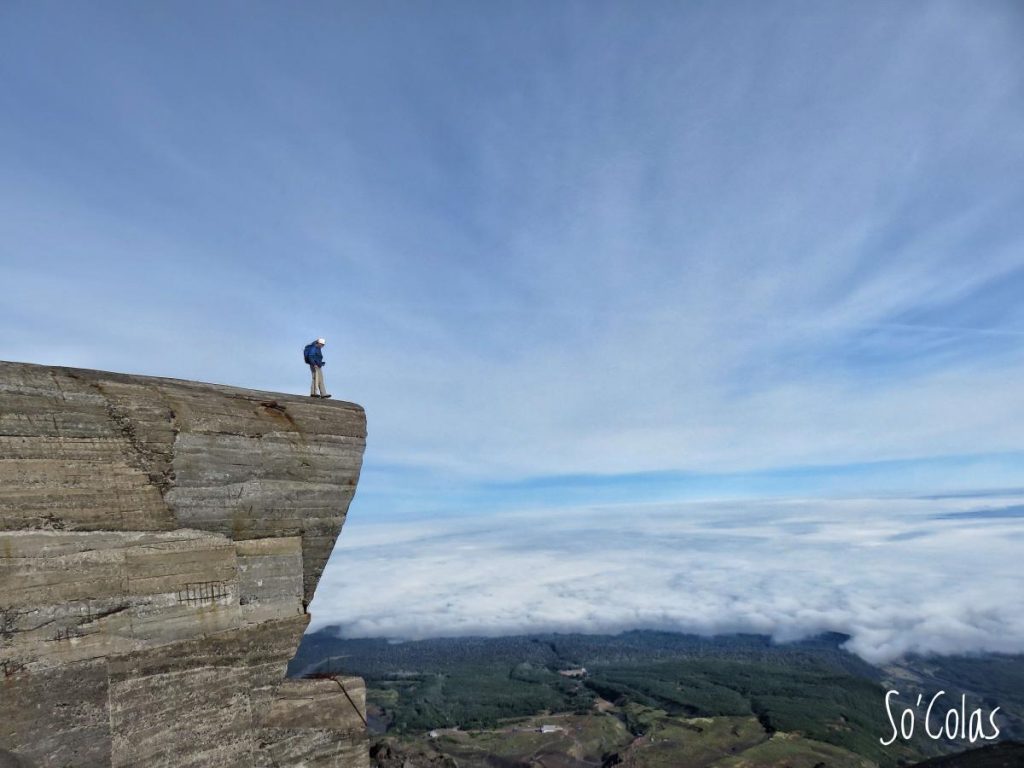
<point x="160" y="540"/>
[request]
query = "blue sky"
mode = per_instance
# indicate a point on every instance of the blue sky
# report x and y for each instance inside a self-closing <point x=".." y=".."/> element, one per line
<point x="563" y="253"/>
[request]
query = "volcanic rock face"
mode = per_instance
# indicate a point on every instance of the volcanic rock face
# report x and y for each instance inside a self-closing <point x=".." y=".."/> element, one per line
<point x="159" y="543"/>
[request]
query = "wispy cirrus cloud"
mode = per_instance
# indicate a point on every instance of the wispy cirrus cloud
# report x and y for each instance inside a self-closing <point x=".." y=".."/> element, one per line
<point x="543" y="240"/>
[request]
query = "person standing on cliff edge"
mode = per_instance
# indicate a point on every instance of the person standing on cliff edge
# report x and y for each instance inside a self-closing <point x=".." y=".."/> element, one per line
<point x="315" y="360"/>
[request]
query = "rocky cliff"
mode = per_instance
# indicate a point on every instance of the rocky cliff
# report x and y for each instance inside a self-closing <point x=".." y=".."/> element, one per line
<point x="159" y="543"/>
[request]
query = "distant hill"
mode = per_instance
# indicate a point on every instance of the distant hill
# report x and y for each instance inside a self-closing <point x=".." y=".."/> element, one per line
<point x="1007" y="754"/>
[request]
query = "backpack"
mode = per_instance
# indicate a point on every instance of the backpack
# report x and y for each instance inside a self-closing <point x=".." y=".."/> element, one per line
<point x="305" y="354"/>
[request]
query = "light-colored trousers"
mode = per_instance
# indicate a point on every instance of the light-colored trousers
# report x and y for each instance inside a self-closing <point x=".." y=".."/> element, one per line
<point x="318" y="380"/>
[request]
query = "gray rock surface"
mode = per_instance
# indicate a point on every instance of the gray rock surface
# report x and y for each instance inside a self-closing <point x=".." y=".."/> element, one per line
<point x="159" y="543"/>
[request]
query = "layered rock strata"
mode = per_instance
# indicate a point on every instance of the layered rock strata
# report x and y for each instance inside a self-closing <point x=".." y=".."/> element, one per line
<point x="159" y="543"/>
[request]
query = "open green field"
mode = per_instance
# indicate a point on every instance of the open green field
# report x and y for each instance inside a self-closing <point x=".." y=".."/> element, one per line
<point x="602" y="739"/>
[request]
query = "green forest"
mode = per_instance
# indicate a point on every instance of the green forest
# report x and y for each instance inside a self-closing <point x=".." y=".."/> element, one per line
<point x="813" y="688"/>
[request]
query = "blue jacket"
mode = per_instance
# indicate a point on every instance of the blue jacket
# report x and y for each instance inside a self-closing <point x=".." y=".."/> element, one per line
<point x="313" y="355"/>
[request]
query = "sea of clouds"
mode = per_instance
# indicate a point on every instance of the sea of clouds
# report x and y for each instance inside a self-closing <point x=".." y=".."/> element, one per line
<point x="899" y="575"/>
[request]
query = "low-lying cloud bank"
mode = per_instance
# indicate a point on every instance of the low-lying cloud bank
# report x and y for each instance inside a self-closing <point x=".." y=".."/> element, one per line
<point x="897" y="575"/>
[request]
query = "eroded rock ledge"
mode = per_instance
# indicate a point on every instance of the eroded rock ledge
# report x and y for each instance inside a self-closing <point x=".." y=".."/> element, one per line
<point x="159" y="543"/>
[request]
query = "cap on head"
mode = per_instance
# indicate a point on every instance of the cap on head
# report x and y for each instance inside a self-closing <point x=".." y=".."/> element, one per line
<point x="320" y="341"/>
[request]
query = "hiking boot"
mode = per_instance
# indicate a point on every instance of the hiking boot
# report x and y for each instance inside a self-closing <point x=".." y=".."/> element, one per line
<point x="314" y="395"/>
<point x="325" y="396"/>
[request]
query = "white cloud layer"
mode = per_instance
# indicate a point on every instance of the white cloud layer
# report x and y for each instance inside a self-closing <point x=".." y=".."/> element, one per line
<point x="898" y="575"/>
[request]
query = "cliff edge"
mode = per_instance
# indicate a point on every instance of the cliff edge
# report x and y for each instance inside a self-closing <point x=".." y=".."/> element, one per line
<point x="159" y="543"/>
